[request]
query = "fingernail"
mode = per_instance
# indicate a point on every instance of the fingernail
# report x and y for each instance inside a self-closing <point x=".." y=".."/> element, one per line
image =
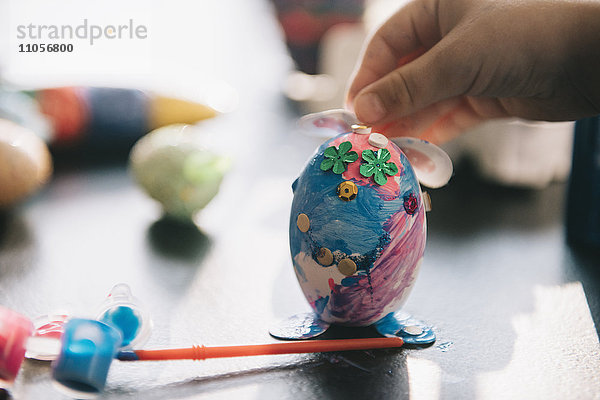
<point x="369" y="108"/>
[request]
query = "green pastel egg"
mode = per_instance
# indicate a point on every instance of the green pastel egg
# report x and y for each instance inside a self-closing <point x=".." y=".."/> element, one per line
<point x="173" y="166"/>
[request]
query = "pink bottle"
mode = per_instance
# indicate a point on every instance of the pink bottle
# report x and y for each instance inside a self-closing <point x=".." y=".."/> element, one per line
<point x="15" y="329"/>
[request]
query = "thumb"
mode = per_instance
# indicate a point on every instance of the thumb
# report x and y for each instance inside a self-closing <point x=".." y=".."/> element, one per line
<point x="438" y="74"/>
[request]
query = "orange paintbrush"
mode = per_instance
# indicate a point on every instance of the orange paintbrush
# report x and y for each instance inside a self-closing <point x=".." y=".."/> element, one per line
<point x="304" y="346"/>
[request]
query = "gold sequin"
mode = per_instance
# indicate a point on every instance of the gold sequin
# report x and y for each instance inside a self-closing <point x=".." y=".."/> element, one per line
<point x="347" y="267"/>
<point x="324" y="256"/>
<point x="303" y="222"/>
<point x="347" y="190"/>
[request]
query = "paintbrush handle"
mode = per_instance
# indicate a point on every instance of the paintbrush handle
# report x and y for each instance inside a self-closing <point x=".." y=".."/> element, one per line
<point x="304" y="346"/>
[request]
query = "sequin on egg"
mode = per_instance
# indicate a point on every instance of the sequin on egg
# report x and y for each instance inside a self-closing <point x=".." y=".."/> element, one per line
<point x="325" y="257"/>
<point x="347" y="267"/>
<point x="347" y="190"/>
<point x="303" y="222"/>
<point x="411" y="204"/>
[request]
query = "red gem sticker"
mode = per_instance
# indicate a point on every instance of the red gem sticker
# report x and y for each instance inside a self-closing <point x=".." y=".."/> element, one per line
<point x="410" y="204"/>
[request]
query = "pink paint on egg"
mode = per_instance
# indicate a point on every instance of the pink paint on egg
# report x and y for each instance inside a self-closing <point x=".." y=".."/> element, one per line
<point x="360" y="143"/>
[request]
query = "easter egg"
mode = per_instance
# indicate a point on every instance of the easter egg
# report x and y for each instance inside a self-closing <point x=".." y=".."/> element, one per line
<point x="25" y="163"/>
<point x="174" y="167"/>
<point x="360" y="255"/>
<point x="358" y="228"/>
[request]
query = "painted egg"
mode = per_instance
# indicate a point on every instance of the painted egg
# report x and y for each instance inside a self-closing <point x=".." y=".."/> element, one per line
<point x="25" y="163"/>
<point x="175" y="167"/>
<point x="357" y="225"/>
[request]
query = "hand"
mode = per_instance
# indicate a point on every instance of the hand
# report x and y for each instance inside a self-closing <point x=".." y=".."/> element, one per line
<point x="438" y="67"/>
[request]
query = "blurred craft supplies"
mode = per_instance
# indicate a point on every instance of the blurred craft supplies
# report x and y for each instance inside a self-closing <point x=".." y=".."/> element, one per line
<point x="88" y="347"/>
<point x="102" y="119"/>
<point x="107" y="116"/>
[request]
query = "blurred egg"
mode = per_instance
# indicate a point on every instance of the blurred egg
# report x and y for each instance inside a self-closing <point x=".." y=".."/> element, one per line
<point x="25" y="163"/>
<point x="173" y="166"/>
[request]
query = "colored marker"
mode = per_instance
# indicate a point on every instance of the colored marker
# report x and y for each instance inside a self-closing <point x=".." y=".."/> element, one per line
<point x="302" y="346"/>
<point x="97" y="115"/>
<point x="111" y="114"/>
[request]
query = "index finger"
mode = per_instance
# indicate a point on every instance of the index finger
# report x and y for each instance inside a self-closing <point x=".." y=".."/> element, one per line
<point x="402" y="38"/>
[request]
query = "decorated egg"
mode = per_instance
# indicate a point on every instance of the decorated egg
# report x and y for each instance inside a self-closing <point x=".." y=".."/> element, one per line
<point x="357" y="228"/>
<point x="25" y="163"/>
<point x="176" y="168"/>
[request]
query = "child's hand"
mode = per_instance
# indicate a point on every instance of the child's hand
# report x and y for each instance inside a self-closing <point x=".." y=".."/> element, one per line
<point x="476" y="60"/>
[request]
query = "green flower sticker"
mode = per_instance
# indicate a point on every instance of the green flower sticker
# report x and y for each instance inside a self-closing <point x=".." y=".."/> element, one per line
<point x="377" y="166"/>
<point x="336" y="159"/>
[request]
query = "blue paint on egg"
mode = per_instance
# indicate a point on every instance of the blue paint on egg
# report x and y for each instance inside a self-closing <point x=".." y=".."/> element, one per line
<point x="373" y="230"/>
<point x="321" y="303"/>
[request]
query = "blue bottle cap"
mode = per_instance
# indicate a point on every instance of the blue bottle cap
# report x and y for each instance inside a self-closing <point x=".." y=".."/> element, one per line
<point x="124" y="312"/>
<point x="87" y="349"/>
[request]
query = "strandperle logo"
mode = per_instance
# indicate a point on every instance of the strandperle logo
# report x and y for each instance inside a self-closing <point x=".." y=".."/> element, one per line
<point x="85" y="31"/>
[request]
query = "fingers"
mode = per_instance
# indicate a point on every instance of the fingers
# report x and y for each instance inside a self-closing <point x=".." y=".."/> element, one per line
<point x="453" y="124"/>
<point x="403" y="37"/>
<point x="419" y="122"/>
<point x="441" y="73"/>
<point x="438" y="123"/>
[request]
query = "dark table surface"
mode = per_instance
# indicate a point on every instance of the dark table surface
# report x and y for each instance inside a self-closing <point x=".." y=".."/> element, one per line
<point x="513" y="306"/>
